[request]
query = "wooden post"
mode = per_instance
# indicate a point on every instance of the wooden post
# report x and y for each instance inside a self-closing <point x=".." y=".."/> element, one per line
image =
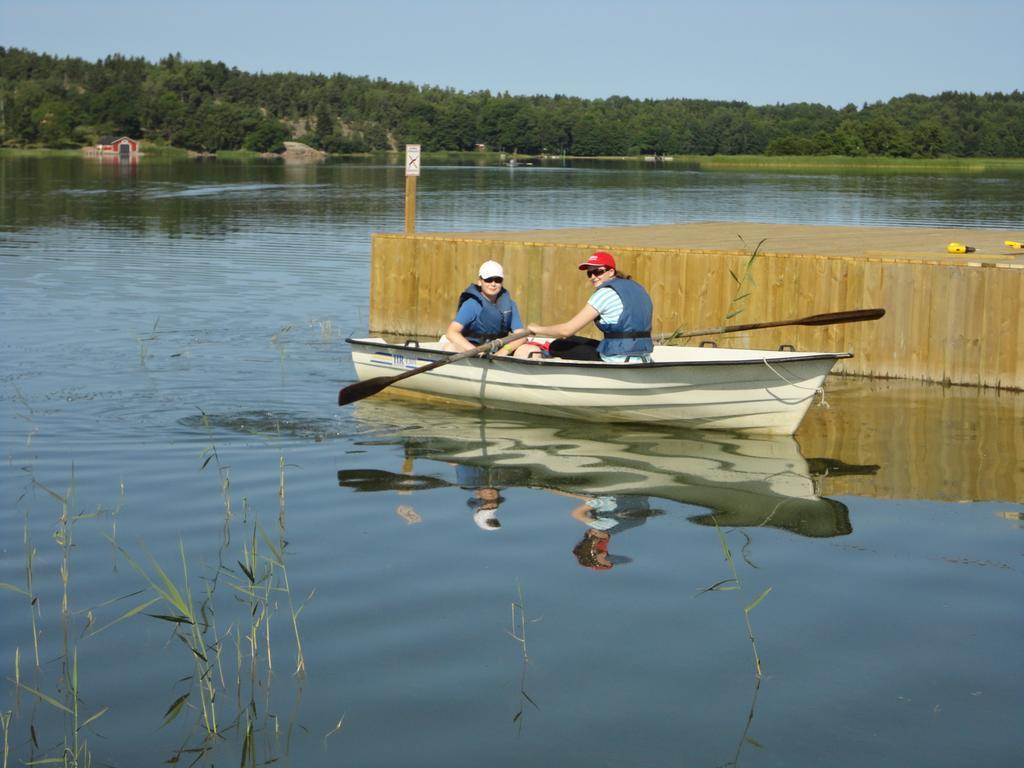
<point x="412" y="170"/>
<point x="410" y="205"/>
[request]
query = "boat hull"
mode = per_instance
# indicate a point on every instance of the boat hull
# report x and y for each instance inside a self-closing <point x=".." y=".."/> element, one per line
<point x="707" y="388"/>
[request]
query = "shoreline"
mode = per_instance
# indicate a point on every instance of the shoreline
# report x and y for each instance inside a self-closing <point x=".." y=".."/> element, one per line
<point x="701" y="162"/>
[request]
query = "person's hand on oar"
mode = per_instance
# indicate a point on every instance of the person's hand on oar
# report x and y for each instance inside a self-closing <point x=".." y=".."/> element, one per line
<point x="363" y="389"/>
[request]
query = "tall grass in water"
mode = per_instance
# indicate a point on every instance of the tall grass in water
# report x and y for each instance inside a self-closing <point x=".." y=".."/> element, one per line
<point x="72" y="746"/>
<point x="209" y="454"/>
<point x="735" y="584"/>
<point x="29" y="592"/>
<point x="518" y="633"/>
<point x="145" y="341"/>
<point x="838" y="164"/>
<point x="5" y="724"/>
<point x="189" y="627"/>
<point x="75" y="751"/>
<point x="257" y="580"/>
<point x="280" y="342"/>
<point x="30" y="550"/>
<point x="260" y="576"/>
<point x="52" y="722"/>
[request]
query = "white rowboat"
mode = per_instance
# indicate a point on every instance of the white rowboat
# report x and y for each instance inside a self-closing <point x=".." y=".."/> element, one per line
<point x="764" y="391"/>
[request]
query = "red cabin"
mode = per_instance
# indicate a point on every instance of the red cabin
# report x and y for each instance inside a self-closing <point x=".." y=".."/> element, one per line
<point x="123" y="146"/>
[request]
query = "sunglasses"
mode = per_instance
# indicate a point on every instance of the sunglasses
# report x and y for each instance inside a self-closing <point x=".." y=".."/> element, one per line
<point x="498" y="280"/>
<point x="596" y="272"/>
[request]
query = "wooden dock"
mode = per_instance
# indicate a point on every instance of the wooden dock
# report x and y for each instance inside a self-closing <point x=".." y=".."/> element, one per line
<point x="951" y="318"/>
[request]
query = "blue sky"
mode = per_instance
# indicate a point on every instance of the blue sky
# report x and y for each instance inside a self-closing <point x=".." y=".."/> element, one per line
<point x="762" y="52"/>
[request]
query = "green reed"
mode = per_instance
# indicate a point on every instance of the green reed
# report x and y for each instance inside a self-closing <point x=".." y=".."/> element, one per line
<point x="145" y="341"/>
<point x="30" y="550"/>
<point x="280" y="493"/>
<point x="33" y="601"/>
<point x="280" y="341"/>
<point x="77" y="752"/>
<point x="276" y="558"/>
<point x="518" y="633"/>
<point x="27" y="416"/>
<point x="261" y="577"/>
<point x="734" y="583"/>
<point x="74" y="750"/>
<point x="744" y="287"/>
<point x="208" y="454"/>
<point x="256" y="589"/>
<point x="744" y="281"/>
<point x="837" y="164"/>
<point x="5" y="724"/>
<point x="278" y="562"/>
<point x="187" y="627"/>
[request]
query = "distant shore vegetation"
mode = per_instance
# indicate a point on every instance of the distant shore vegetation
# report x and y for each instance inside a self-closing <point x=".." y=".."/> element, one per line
<point x="208" y="107"/>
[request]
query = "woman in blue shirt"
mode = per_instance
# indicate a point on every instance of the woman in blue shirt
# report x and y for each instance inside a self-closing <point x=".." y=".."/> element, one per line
<point x="486" y="312"/>
<point x="619" y="307"/>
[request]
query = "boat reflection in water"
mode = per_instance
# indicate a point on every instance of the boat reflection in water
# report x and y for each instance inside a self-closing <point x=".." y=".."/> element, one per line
<point x="742" y="481"/>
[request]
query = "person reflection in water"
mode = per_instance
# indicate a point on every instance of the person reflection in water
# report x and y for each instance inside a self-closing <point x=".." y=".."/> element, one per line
<point x="603" y="516"/>
<point x="485" y="503"/>
<point x="486" y="498"/>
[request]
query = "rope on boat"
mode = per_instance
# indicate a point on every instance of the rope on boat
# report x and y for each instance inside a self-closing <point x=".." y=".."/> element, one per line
<point x="820" y="391"/>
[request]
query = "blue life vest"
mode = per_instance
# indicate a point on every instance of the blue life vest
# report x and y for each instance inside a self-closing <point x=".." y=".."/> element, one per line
<point x="495" y="318"/>
<point x="632" y="334"/>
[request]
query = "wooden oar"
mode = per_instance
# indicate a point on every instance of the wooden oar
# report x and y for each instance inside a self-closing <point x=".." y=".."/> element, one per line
<point x="829" y="318"/>
<point x="362" y="389"/>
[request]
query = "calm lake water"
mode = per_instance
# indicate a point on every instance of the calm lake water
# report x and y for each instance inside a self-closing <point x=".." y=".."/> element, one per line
<point x="391" y="582"/>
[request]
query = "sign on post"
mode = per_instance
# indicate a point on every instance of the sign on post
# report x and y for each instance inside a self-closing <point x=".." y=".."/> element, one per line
<point x="412" y="159"/>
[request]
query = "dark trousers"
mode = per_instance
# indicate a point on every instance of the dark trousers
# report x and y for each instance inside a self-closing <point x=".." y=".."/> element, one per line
<point x="575" y="348"/>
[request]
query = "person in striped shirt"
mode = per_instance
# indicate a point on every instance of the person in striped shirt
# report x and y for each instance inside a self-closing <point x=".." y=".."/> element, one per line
<point x="619" y="307"/>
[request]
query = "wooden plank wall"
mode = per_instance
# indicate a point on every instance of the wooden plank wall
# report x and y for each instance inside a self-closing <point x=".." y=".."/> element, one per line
<point x="952" y="323"/>
<point x="903" y="428"/>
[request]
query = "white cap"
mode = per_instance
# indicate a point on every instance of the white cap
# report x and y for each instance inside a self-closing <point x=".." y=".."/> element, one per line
<point x="486" y="519"/>
<point x="491" y="269"/>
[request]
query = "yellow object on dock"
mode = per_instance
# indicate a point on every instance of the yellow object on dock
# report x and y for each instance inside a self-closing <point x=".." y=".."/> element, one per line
<point x="958" y="248"/>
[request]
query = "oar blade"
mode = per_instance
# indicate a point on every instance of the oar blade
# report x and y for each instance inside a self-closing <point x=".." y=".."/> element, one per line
<point x="835" y="318"/>
<point x="363" y="389"/>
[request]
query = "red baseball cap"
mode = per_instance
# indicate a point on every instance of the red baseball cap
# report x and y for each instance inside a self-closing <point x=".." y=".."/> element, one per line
<point x="599" y="259"/>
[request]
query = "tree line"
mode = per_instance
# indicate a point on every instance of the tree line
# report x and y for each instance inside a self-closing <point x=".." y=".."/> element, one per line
<point x="207" y="106"/>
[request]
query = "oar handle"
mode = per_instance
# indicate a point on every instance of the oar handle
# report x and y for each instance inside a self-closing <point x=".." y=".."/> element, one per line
<point x="363" y="389"/>
<point x="488" y="347"/>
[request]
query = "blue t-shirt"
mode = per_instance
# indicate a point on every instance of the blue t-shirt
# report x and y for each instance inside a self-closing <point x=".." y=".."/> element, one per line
<point x="608" y="304"/>
<point x="470" y="310"/>
<point x="619" y="513"/>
